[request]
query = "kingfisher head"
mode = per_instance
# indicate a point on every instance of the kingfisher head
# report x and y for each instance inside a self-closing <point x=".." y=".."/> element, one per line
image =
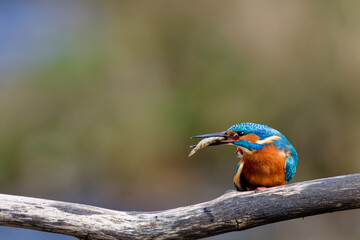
<point x="249" y="137"/>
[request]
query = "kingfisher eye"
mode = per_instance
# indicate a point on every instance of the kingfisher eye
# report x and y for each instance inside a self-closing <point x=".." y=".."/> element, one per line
<point x="240" y="133"/>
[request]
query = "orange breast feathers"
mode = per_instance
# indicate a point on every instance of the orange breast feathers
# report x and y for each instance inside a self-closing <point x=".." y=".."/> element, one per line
<point x="265" y="167"/>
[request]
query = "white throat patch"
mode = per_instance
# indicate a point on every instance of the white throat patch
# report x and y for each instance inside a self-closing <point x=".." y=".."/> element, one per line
<point x="268" y="139"/>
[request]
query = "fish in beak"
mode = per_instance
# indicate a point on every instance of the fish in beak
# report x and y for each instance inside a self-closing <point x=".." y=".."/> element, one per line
<point x="212" y="139"/>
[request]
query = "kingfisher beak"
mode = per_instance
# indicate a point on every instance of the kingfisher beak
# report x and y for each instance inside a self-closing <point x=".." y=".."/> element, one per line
<point x="218" y="134"/>
<point x="227" y="138"/>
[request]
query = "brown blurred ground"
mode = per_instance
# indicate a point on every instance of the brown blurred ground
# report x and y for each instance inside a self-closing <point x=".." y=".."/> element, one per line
<point x="99" y="99"/>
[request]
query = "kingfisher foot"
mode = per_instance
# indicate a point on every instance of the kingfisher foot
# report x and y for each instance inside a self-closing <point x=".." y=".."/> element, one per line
<point x="258" y="189"/>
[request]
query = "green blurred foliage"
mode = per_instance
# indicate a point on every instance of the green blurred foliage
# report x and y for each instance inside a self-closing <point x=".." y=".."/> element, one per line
<point x="106" y="117"/>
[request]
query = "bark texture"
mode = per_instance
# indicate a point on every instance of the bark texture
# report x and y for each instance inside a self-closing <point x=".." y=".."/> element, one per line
<point x="230" y="212"/>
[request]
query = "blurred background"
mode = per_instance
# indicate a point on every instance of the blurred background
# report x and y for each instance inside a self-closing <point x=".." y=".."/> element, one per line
<point x="98" y="100"/>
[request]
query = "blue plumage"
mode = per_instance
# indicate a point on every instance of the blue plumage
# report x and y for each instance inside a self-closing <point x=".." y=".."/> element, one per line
<point x="261" y="130"/>
<point x="249" y="145"/>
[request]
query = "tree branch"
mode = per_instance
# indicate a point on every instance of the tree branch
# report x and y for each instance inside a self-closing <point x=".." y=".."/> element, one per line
<point x="230" y="212"/>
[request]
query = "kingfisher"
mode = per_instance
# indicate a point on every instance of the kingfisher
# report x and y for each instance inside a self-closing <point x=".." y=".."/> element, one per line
<point x="267" y="158"/>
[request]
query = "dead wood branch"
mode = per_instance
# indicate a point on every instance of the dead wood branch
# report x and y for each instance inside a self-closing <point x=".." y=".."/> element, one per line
<point x="230" y="212"/>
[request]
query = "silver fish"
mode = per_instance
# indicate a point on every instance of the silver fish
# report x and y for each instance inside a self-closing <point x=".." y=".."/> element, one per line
<point x="204" y="143"/>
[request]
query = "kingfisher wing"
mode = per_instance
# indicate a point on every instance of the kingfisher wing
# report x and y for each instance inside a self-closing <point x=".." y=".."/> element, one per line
<point x="290" y="168"/>
<point x="237" y="178"/>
